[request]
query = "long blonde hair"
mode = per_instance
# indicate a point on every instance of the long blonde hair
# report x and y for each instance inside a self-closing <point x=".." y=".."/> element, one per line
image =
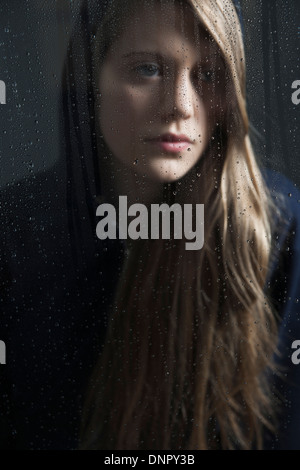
<point x="192" y="334"/>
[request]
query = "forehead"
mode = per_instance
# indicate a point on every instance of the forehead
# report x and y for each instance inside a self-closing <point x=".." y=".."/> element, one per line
<point x="166" y="28"/>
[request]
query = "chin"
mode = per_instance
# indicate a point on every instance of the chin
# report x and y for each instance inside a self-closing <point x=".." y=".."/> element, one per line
<point x="164" y="172"/>
<point x="171" y="178"/>
<point x="167" y="176"/>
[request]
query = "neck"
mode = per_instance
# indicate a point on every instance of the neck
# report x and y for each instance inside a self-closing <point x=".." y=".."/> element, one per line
<point x="119" y="180"/>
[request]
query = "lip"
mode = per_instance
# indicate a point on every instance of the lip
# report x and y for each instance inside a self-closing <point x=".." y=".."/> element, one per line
<point x="172" y="143"/>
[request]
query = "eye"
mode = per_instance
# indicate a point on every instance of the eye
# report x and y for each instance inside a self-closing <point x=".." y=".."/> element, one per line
<point x="207" y="76"/>
<point x="148" y="70"/>
<point x="202" y="75"/>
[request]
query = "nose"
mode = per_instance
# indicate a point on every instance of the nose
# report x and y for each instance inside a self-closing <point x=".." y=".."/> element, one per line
<point x="178" y="96"/>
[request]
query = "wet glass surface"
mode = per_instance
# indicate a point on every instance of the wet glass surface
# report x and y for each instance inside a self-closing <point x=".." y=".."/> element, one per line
<point x="57" y="277"/>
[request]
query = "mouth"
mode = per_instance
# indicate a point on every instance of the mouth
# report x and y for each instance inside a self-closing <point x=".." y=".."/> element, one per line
<point x="171" y="143"/>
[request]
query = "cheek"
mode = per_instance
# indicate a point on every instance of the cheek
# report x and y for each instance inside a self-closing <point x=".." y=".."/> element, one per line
<point x="113" y="112"/>
<point x="204" y="119"/>
<point x="122" y="108"/>
<point x="216" y="109"/>
<point x="123" y="118"/>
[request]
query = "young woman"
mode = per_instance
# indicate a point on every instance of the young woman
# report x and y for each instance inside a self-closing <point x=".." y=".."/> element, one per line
<point x="192" y="334"/>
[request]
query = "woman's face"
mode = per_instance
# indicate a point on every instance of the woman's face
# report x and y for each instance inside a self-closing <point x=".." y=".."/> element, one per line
<point x="160" y="95"/>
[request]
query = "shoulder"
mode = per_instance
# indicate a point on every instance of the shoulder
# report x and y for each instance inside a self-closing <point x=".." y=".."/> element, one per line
<point x="284" y="193"/>
<point x="285" y="220"/>
<point x="283" y="290"/>
<point x="283" y="281"/>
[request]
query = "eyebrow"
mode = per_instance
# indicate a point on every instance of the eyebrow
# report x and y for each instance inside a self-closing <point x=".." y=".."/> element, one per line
<point x="141" y="53"/>
<point x="159" y="54"/>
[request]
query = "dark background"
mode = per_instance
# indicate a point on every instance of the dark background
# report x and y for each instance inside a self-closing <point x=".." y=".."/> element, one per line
<point x="272" y="42"/>
<point x="51" y="274"/>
